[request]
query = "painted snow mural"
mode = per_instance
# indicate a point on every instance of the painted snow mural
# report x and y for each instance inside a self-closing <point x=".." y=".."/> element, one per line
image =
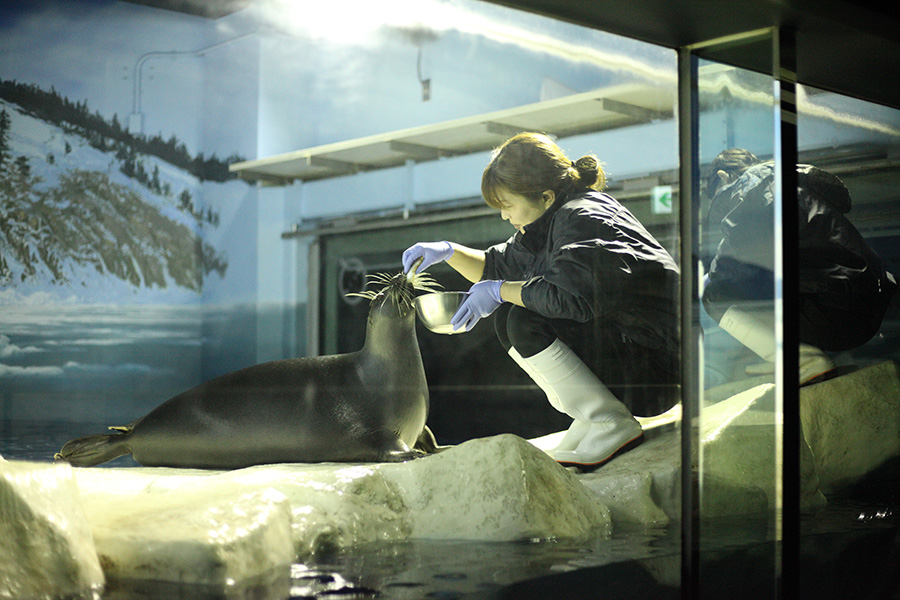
<point x="82" y="193"/>
<point x="104" y="253"/>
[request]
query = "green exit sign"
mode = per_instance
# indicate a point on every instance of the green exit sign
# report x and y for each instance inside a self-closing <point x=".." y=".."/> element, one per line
<point x="661" y="200"/>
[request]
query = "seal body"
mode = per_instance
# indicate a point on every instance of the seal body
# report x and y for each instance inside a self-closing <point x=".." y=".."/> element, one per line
<point x="364" y="406"/>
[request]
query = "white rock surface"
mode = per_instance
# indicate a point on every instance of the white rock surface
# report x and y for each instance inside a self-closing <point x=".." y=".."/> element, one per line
<point x="852" y="423"/>
<point x="643" y="486"/>
<point x="494" y="489"/>
<point x="331" y="506"/>
<point x="498" y="489"/>
<point x="46" y="548"/>
<point x="738" y="438"/>
<point x="211" y="535"/>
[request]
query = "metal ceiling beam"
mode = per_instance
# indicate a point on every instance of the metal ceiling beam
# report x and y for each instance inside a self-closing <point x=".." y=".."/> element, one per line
<point x="638" y="113"/>
<point x="342" y="166"/>
<point x="419" y="151"/>
<point x="503" y="129"/>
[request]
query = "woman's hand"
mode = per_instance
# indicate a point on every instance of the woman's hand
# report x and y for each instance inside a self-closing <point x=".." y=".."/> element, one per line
<point x="484" y="298"/>
<point x="430" y="253"/>
<point x="466" y="261"/>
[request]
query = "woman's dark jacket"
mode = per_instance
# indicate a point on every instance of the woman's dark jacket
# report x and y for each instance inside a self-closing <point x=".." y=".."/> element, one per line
<point x="589" y="258"/>
<point x="836" y="264"/>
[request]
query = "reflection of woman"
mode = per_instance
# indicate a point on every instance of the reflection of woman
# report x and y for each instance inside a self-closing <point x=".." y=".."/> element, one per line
<point x="584" y="295"/>
<point x="843" y="285"/>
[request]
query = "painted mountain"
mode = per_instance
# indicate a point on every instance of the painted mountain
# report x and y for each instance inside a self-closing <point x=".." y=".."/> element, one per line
<point x="84" y="201"/>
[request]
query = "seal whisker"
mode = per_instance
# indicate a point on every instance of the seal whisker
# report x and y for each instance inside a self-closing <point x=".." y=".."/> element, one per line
<point x="424" y="282"/>
<point x="367" y="294"/>
<point x="401" y="287"/>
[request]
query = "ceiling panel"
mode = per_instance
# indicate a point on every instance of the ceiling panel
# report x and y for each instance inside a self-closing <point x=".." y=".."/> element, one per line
<point x="606" y="108"/>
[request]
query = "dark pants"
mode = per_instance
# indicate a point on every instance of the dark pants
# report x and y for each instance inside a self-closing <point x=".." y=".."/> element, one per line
<point x="836" y="328"/>
<point x="645" y="379"/>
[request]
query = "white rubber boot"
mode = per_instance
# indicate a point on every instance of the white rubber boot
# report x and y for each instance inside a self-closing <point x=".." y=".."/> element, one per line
<point x="751" y="330"/>
<point x="577" y="429"/>
<point x="759" y="336"/>
<point x="536" y="377"/>
<point x="602" y="426"/>
<point x="813" y="363"/>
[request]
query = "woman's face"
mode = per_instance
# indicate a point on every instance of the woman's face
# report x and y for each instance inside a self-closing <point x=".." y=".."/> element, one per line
<point x="520" y="211"/>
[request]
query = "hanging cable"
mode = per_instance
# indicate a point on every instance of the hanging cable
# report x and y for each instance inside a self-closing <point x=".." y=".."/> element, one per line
<point x="425" y="83"/>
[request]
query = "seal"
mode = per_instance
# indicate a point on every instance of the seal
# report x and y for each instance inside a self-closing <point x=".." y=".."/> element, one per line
<point x="365" y="406"/>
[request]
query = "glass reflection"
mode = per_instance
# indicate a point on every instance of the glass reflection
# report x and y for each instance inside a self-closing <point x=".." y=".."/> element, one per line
<point x="738" y="422"/>
<point x="845" y="288"/>
<point x="848" y="259"/>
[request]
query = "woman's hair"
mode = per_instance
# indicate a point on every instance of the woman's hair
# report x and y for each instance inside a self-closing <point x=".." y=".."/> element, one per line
<point x="531" y="163"/>
<point x="733" y="161"/>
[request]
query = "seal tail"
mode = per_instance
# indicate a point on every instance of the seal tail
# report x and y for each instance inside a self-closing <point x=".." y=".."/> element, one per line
<point x="92" y="450"/>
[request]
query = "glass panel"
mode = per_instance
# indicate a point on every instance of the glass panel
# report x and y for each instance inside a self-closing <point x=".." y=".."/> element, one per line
<point x="845" y="252"/>
<point x="738" y="429"/>
<point x="849" y="258"/>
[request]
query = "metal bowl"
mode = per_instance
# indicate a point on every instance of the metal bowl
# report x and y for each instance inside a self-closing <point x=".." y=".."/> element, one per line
<point x="435" y="310"/>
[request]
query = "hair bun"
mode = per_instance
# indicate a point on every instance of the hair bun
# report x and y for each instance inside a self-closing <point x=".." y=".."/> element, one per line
<point x="590" y="175"/>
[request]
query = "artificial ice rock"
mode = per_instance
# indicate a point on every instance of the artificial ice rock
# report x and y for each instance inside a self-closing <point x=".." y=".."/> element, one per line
<point x="187" y="525"/>
<point x="852" y="423"/>
<point x="496" y="489"/>
<point x="333" y="506"/>
<point x="211" y="534"/>
<point x="738" y="439"/>
<point x="46" y="548"/>
<point x="635" y="485"/>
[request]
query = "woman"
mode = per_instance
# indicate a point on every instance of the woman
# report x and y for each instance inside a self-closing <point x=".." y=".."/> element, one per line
<point x="584" y="296"/>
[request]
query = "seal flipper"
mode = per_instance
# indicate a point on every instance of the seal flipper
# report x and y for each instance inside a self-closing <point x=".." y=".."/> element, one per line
<point x="123" y="428"/>
<point x="427" y="443"/>
<point x="399" y="452"/>
<point x="92" y="450"/>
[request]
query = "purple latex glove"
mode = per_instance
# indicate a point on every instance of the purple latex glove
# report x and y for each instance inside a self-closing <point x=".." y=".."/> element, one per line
<point x="430" y="253"/>
<point x="484" y="298"/>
